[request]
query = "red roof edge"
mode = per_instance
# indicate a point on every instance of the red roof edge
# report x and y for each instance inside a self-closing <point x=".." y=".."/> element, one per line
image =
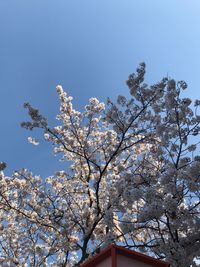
<point x="140" y="257"/>
<point x="114" y="250"/>
<point x="98" y="257"/>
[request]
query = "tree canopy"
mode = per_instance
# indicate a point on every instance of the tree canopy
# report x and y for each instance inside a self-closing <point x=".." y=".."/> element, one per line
<point x="132" y="177"/>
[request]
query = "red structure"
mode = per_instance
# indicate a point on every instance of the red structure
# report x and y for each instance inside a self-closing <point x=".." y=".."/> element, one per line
<point x="116" y="256"/>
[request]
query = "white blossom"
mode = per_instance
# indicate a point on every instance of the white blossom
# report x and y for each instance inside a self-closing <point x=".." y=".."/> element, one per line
<point x="33" y="141"/>
<point x="132" y="176"/>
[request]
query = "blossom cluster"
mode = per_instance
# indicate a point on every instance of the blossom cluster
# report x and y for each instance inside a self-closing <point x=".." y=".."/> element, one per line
<point x="132" y="177"/>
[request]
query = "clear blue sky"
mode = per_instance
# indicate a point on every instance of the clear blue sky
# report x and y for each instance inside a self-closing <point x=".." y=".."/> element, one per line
<point x="90" y="47"/>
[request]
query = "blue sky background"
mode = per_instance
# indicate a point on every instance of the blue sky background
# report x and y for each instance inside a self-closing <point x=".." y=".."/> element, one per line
<point x="90" y="47"/>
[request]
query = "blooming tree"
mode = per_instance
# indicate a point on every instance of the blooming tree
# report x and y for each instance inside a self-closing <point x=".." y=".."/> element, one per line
<point x="132" y="177"/>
